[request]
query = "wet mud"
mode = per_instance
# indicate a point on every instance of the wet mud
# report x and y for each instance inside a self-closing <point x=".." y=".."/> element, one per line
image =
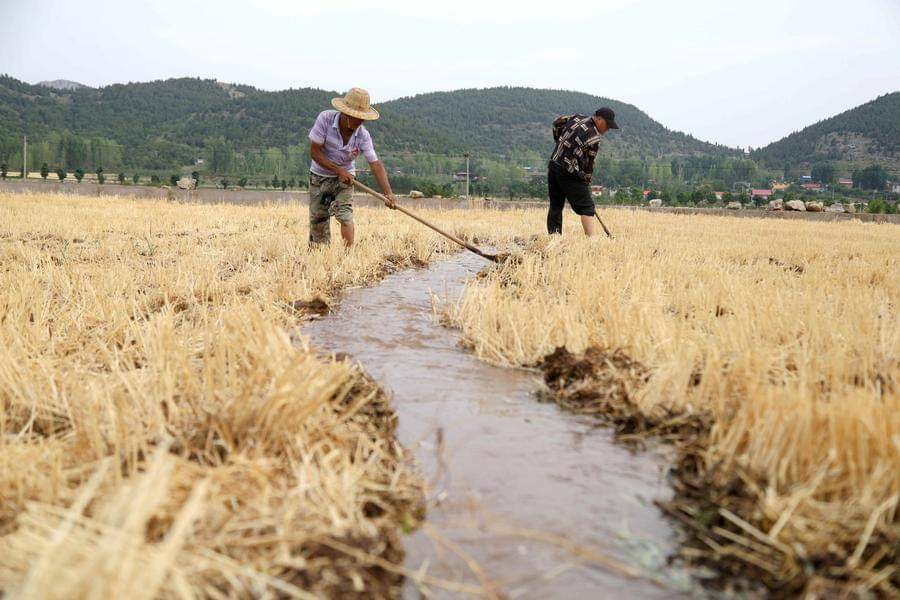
<point x="715" y="504"/>
<point x="525" y="500"/>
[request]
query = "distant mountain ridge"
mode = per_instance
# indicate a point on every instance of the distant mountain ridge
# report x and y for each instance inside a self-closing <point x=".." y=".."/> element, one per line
<point x="865" y="135"/>
<point x="159" y="122"/>
<point x="164" y="124"/>
<point x="502" y="120"/>
<point x="62" y="84"/>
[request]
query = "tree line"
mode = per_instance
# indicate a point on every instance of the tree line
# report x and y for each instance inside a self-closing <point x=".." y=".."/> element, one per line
<point x="240" y="132"/>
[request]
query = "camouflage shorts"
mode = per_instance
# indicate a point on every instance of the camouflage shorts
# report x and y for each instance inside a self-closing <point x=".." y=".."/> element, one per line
<point x="328" y="197"/>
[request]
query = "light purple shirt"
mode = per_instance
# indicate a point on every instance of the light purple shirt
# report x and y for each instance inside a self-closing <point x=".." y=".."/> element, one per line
<point x="327" y="132"/>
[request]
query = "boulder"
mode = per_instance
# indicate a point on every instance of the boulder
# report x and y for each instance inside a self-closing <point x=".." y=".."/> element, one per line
<point x="837" y="207"/>
<point x="187" y="183"/>
<point x="815" y="206"/>
<point x="776" y="204"/>
<point x="795" y="205"/>
<point x="416" y="194"/>
<point x="656" y="203"/>
<point x="734" y="206"/>
<point x="850" y="207"/>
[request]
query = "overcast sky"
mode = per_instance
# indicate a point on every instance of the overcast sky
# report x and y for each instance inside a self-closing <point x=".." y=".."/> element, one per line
<point x="741" y="73"/>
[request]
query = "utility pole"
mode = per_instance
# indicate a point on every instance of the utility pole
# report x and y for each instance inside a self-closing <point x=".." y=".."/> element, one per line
<point x="467" y="177"/>
<point x="24" y="157"/>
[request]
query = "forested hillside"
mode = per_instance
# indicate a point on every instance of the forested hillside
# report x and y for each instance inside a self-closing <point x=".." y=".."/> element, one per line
<point x="166" y="124"/>
<point x="866" y="135"/>
<point x="165" y="127"/>
<point x="506" y="120"/>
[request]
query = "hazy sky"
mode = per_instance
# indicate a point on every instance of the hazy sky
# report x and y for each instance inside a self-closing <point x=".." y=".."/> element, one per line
<point x="740" y="73"/>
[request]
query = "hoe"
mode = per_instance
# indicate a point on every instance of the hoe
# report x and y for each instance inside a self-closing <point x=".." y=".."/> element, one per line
<point x="497" y="258"/>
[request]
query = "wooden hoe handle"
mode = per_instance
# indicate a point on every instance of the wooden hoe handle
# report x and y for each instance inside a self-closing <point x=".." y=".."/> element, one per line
<point x="409" y="213"/>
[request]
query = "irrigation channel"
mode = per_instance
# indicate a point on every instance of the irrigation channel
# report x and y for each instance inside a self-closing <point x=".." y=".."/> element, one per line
<point x="544" y="502"/>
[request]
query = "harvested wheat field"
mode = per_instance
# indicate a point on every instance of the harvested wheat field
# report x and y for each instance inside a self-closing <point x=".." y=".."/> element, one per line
<point x="769" y="351"/>
<point x="166" y="429"/>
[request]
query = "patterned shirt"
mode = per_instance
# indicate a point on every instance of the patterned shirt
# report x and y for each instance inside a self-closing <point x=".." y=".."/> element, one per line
<point x="577" y="141"/>
<point x="327" y="131"/>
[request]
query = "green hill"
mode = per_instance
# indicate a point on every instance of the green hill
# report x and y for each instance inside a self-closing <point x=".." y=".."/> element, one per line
<point x="167" y="124"/>
<point x="504" y="120"/>
<point x="866" y="135"/>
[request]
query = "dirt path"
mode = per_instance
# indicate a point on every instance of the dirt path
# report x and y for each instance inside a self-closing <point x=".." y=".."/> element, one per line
<point x="543" y="501"/>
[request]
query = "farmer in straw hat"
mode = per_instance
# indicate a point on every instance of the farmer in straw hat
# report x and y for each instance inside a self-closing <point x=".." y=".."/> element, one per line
<point x="336" y="139"/>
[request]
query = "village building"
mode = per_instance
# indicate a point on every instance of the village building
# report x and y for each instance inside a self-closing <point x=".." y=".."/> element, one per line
<point x="461" y="176"/>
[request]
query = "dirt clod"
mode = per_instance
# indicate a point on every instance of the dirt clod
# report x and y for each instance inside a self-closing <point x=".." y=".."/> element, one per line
<point x="316" y="306"/>
<point x="798" y="269"/>
<point x="599" y="382"/>
<point x="395" y="262"/>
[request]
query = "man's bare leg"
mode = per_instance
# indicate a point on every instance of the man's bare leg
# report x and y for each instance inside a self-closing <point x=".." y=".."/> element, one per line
<point x="589" y="224"/>
<point x="347" y="233"/>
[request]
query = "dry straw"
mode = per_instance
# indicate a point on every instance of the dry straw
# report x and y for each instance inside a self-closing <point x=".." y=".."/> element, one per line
<point x="782" y="337"/>
<point x="166" y="431"/>
<point x="164" y="428"/>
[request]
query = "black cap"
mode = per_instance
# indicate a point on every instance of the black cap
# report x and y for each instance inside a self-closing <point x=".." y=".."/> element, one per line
<point x="608" y="115"/>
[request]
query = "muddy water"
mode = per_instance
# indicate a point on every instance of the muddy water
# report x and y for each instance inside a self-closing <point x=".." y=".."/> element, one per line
<point x="543" y="501"/>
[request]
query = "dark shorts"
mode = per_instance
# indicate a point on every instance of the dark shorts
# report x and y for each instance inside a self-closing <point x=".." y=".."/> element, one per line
<point x="562" y="186"/>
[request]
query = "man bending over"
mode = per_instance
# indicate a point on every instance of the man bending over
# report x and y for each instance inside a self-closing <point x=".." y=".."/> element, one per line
<point x="571" y="166"/>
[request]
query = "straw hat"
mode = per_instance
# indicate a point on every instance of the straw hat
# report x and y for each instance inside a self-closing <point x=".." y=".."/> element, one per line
<point x="356" y="104"/>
